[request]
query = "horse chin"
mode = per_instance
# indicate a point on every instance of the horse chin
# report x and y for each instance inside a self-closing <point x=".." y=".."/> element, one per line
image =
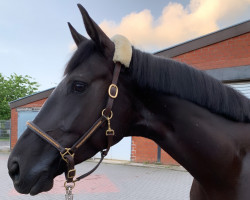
<point x="42" y="185"/>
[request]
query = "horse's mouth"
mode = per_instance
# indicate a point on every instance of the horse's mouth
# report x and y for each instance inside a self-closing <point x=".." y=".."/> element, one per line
<point x="42" y="184"/>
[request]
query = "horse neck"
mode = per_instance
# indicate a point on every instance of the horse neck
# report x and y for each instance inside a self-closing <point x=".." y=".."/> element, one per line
<point x="191" y="134"/>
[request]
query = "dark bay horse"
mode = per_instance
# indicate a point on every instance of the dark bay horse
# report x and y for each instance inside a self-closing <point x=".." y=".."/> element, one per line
<point x="200" y="122"/>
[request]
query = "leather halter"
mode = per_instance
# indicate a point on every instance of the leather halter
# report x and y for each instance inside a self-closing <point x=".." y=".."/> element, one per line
<point x="67" y="154"/>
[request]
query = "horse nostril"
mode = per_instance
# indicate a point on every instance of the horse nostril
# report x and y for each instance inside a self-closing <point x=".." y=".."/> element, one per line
<point x="14" y="171"/>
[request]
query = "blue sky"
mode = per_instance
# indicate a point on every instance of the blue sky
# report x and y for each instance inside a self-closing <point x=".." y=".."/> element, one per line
<point x="35" y="40"/>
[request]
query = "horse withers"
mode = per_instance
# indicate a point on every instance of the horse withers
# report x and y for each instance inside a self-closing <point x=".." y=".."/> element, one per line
<point x="200" y="122"/>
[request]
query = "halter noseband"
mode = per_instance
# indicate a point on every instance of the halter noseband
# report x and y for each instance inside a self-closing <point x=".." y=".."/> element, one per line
<point x="67" y="154"/>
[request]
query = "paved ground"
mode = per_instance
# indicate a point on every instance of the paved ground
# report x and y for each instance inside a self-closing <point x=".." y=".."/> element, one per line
<point x="111" y="182"/>
<point x="4" y="146"/>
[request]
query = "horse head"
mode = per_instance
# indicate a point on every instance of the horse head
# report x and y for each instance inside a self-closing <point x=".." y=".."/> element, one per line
<point x="75" y="104"/>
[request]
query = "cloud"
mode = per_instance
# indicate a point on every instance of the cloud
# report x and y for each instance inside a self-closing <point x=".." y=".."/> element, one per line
<point x="176" y="23"/>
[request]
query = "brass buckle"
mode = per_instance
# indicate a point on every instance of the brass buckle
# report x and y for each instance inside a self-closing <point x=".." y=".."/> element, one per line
<point x="67" y="152"/>
<point x="73" y="171"/>
<point x="110" y="132"/>
<point x="116" y="91"/>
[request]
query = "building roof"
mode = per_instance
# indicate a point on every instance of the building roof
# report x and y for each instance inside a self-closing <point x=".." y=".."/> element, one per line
<point x="31" y="98"/>
<point x="206" y="40"/>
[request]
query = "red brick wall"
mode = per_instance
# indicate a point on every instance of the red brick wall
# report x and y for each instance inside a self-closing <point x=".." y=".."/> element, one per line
<point x="14" y="119"/>
<point x="13" y="134"/>
<point x="229" y="53"/>
<point x="143" y="150"/>
<point x="167" y="159"/>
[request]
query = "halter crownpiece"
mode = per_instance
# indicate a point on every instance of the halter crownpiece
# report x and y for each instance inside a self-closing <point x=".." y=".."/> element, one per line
<point x="123" y="50"/>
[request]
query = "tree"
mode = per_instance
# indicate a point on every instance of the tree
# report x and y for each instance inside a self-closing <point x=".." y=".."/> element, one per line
<point x="12" y="88"/>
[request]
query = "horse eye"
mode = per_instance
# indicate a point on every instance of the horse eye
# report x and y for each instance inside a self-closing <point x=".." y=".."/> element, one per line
<point x="79" y="87"/>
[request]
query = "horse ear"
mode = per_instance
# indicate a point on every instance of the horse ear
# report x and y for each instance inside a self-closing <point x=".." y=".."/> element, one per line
<point x="78" y="38"/>
<point x="96" y="33"/>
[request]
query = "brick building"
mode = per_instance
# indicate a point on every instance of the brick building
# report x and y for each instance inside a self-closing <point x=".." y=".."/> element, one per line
<point x="224" y="54"/>
<point x="25" y="109"/>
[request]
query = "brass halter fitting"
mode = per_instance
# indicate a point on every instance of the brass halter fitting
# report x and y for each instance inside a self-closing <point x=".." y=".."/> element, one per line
<point x="67" y="151"/>
<point x="72" y="172"/>
<point x="116" y="91"/>
<point x="107" y="117"/>
<point x="109" y="131"/>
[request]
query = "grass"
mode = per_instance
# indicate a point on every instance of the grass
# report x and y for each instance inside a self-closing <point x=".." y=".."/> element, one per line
<point x="4" y="139"/>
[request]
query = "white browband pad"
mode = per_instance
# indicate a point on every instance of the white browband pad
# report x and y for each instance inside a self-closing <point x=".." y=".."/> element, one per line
<point x="123" y="50"/>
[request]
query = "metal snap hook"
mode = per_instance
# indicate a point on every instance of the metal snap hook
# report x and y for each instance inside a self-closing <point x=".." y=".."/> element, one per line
<point x="108" y="118"/>
<point x="69" y="185"/>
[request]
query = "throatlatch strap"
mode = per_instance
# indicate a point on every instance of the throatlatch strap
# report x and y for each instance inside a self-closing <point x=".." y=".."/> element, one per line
<point x="103" y="154"/>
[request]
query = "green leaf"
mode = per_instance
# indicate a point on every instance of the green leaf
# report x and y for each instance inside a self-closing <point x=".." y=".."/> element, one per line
<point x="12" y="88"/>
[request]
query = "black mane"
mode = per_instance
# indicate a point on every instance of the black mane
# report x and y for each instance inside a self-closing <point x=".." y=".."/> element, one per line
<point x="181" y="80"/>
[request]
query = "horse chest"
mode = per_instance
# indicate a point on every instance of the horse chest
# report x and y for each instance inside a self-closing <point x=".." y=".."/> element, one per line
<point x="243" y="183"/>
<point x="238" y="191"/>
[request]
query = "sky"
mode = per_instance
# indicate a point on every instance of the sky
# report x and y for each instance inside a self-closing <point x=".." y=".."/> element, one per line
<point x="35" y="39"/>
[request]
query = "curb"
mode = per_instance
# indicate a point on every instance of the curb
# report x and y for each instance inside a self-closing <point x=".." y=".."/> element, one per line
<point x="4" y="149"/>
<point x="129" y="163"/>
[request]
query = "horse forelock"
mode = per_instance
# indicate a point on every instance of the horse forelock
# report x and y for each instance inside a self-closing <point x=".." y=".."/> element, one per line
<point x="83" y="52"/>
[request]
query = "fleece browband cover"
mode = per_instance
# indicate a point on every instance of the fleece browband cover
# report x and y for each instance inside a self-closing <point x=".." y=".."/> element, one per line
<point x="123" y="50"/>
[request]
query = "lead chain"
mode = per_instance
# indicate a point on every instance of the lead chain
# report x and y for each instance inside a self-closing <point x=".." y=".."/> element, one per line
<point x="69" y="195"/>
<point x="69" y="188"/>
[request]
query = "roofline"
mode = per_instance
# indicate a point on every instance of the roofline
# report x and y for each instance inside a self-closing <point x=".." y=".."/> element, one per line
<point x="230" y="74"/>
<point x="206" y="40"/>
<point x="31" y="98"/>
